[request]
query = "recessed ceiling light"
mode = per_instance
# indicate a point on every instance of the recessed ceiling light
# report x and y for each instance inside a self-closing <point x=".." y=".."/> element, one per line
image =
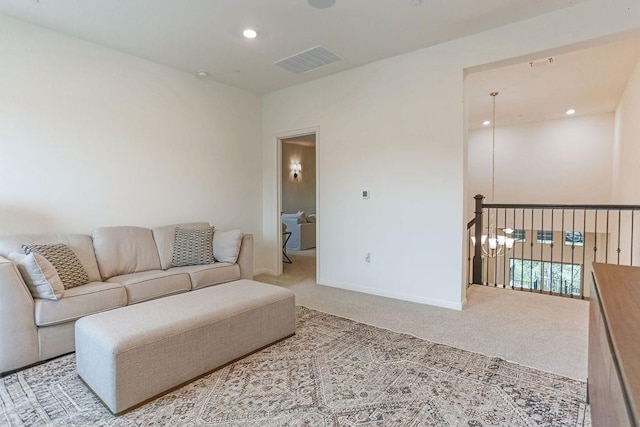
<point x="321" y="4"/>
<point x="250" y="33"/>
<point x="486" y="123"/>
<point x="570" y="112"/>
<point x="415" y="2"/>
<point x="202" y="73"/>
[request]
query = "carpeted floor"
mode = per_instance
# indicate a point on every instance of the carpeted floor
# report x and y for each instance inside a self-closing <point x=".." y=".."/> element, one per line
<point x="545" y="332"/>
<point x="333" y="372"/>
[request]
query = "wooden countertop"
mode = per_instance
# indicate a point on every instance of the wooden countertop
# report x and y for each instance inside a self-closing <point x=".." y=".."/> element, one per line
<point x="618" y="288"/>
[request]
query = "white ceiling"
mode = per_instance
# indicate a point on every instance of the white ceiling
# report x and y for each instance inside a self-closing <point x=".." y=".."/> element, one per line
<point x="589" y="80"/>
<point x="194" y="35"/>
<point x="206" y="35"/>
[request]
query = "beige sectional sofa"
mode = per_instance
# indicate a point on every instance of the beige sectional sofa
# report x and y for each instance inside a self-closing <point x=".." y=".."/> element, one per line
<point x="125" y="265"/>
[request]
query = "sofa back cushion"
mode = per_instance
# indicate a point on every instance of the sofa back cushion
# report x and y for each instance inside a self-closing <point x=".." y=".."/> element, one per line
<point x="80" y="244"/>
<point x="124" y="250"/>
<point x="165" y="236"/>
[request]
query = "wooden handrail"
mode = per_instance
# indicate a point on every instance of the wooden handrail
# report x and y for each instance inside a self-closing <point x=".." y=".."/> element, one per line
<point x="548" y="206"/>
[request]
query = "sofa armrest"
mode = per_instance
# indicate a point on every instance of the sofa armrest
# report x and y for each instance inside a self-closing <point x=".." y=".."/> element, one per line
<point x="245" y="257"/>
<point x="291" y="223"/>
<point x="307" y="235"/>
<point x="18" y="331"/>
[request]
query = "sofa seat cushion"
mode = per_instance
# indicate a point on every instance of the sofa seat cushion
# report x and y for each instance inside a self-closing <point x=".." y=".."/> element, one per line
<point x="210" y="274"/>
<point x="147" y="285"/>
<point x="80" y="301"/>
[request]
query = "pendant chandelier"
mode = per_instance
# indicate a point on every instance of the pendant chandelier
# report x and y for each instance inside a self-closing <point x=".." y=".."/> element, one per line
<point x="495" y="243"/>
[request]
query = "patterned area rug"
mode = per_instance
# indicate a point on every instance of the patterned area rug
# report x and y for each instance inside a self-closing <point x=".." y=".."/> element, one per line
<point x="333" y="372"/>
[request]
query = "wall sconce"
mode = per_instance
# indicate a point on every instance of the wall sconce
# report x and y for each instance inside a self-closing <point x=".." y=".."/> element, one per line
<point x="296" y="168"/>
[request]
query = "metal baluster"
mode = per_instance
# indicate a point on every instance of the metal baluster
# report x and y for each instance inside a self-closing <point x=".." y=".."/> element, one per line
<point x="495" y="259"/>
<point x="584" y="250"/>
<point x="619" y="222"/>
<point x="595" y="238"/>
<point x="522" y="252"/>
<point x="551" y="284"/>
<point x="606" y="248"/>
<point x="531" y="258"/>
<point x="573" y="248"/>
<point x="562" y="257"/>
<point x="504" y="257"/>
<point x="486" y="258"/>
<point x="483" y="259"/>
<point x="631" y="242"/>
<point x="514" y="248"/>
<point x="542" y="253"/>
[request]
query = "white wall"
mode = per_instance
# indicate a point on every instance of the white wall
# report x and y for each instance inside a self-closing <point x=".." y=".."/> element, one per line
<point x="396" y="127"/>
<point x="372" y="137"/>
<point x="531" y="159"/>
<point x="626" y="157"/>
<point x="93" y="137"/>
<point x="626" y="167"/>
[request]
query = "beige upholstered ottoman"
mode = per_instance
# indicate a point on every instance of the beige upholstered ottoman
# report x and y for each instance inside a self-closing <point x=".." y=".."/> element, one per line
<point x="131" y="354"/>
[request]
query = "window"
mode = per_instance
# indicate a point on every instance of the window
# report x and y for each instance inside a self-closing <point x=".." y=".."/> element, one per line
<point x="519" y="235"/>
<point x="545" y="237"/>
<point x="542" y="276"/>
<point x="574" y="238"/>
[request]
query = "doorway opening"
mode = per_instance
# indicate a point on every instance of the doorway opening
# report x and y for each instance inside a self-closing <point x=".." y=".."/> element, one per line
<point x="298" y="210"/>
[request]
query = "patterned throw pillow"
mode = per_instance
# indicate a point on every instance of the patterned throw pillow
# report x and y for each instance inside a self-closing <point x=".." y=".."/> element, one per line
<point x="192" y="246"/>
<point x="66" y="263"/>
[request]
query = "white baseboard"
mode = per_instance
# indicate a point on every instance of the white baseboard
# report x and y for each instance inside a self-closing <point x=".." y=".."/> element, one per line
<point x="264" y="271"/>
<point x="396" y="295"/>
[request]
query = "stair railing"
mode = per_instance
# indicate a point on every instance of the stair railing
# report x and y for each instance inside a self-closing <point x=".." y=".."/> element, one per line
<point x="555" y="244"/>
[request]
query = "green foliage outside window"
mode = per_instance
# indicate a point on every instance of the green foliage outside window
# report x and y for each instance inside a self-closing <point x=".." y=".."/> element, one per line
<point x="538" y="275"/>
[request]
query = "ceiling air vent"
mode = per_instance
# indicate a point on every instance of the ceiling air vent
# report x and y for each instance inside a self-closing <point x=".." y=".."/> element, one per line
<point x="308" y="60"/>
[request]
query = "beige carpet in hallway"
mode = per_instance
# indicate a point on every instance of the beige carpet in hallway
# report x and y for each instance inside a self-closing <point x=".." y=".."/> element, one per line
<point x="544" y="332"/>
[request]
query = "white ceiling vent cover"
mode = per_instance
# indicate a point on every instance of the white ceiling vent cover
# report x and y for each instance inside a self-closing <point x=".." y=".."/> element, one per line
<point x="308" y="60"/>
